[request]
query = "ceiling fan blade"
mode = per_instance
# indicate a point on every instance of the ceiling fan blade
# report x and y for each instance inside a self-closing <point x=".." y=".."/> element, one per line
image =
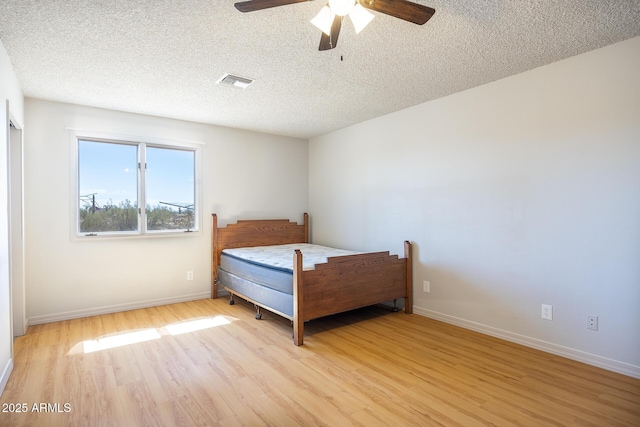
<point x="403" y="9"/>
<point x="329" y="42"/>
<point x="252" y="5"/>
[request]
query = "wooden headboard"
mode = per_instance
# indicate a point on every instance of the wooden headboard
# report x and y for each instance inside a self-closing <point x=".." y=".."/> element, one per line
<point x="247" y="233"/>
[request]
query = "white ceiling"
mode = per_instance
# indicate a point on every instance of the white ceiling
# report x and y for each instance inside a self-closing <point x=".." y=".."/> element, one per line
<point x="163" y="57"/>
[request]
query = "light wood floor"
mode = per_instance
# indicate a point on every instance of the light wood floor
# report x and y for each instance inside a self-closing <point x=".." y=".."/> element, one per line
<point x="366" y="368"/>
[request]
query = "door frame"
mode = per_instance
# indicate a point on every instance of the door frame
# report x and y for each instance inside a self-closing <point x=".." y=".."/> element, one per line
<point x="15" y="160"/>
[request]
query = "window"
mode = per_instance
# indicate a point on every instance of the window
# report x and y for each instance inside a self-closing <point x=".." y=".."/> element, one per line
<point x="135" y="188"/>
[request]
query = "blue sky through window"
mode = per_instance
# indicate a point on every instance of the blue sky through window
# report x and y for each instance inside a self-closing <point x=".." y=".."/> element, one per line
<point x="170" y="176"/>
<point x="109" y="171"/>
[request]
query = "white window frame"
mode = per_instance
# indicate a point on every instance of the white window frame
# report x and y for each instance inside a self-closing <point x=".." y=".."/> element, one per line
<point x="77" y="135"/>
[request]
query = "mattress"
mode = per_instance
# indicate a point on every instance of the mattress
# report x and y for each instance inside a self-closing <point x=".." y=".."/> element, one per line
<point x="272" y="266"/>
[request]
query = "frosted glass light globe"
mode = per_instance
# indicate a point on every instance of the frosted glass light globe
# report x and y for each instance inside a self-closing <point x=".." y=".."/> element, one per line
<point x="341" y="7"/>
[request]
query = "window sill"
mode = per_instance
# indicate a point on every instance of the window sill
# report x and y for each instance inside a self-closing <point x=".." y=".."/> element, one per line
<point x="92" y="237"/>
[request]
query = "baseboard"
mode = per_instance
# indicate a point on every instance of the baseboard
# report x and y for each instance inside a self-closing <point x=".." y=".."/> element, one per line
<point x="76" y="314"/>
<point x="5" y="375"/>
<point x="25" y="324"/>
<point x="570" y="353"/>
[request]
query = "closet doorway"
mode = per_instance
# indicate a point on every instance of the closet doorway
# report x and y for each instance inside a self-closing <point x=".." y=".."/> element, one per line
<point x="16" y="227"/>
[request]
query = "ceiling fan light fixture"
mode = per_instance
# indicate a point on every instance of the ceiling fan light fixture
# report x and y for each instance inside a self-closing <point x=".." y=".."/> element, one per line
<point x="360" y="17"/>
<point x="342" y="7"/>
<point x="323" y="20"/>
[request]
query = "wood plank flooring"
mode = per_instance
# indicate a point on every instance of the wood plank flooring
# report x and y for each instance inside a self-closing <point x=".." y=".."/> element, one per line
<point x="206" y="363"/>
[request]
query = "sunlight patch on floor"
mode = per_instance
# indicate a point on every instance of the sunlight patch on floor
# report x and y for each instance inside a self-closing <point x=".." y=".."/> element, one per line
<point x="134" y="337"/>
<point x="120" y="340"/>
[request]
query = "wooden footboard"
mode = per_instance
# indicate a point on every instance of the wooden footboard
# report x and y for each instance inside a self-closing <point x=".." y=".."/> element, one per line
<point x="349" y="282"/>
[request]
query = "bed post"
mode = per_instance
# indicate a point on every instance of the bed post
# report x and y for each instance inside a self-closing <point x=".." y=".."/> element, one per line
<point x="214" y="256"/>
<point x="408" y="301"/>
<point x="306" y="227"/>
<point x="298" y="314"/>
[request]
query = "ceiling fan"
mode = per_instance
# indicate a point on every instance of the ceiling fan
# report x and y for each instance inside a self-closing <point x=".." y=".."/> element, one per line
<point x="329" y="20"/>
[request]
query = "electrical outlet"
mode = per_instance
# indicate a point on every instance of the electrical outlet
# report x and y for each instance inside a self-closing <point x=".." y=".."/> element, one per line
<point x="592" y="322"/>
<point x="547" y="312"/>
<point x="426" y="286"/>
<point x="189" y="275"/>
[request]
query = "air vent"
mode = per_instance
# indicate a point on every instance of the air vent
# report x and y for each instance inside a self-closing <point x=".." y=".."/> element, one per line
<point x="237" y="81"/>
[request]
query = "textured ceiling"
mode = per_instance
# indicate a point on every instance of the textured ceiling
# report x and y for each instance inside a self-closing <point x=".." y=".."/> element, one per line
<point x="163" y="57"/>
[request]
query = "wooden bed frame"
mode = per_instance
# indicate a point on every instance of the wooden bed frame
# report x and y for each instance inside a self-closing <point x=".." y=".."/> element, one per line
<point x="343" y="283"/>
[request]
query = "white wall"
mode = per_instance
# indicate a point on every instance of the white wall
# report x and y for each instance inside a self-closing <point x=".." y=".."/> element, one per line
<point x="9" y="91"/>
<point x="246" y="175"/>
<point x="522" y="192"/>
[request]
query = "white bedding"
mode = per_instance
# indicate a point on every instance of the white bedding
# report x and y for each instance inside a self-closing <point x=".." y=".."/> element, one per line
<point x="281" y="256"/>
